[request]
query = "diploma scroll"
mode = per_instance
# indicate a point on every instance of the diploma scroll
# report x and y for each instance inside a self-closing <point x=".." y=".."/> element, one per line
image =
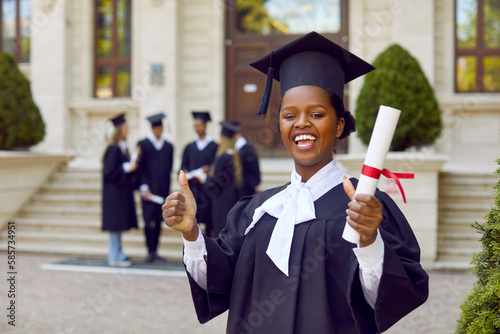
<point x="197" y="173"/>
<point x="156" y="199"/>
<point x="379" y="145"/>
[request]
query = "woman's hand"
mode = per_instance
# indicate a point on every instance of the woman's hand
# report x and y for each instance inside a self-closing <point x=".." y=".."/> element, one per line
<point x="179" y="211"/>
<point x="364" y="214"/>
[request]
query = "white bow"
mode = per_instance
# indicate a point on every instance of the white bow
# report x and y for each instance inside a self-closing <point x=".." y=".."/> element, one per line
<point x="292" y="206"/>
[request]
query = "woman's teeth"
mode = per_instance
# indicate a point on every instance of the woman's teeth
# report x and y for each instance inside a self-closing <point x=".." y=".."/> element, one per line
<point x="303" y="141"/>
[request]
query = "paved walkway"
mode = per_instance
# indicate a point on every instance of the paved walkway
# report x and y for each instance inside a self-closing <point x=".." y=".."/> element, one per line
<point x="49" y="301"/>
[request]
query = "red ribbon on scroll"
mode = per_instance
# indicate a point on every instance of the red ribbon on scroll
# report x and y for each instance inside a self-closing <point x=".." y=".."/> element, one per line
<point x="375" y="174"/>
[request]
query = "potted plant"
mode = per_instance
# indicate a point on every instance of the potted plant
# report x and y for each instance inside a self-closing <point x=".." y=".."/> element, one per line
<point x="21" y="124"/>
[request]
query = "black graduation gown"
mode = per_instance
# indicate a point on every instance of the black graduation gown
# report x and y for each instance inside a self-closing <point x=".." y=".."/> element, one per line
<point x="155" y="168"/>
<point x="323" y="293"/>
<point x="221" y="188"/>
<point x="118" y="205"/>
<point x="192" y="158"/>
<point x="251" y="170"/>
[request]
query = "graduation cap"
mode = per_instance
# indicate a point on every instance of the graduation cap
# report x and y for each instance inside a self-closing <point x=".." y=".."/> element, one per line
<point x="118" y="120"/>
<point x="156" y="120"/>
<point x="203" y="115"/>
<point x="229" y="129"/>
<point x="311" y="59"/>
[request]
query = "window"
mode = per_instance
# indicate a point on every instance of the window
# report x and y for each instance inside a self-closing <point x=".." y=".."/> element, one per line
<point x="291" y="17"/>
<point x="15" y="16"/>
<point x="477" y="37"/>
<point x="112" y="48"/>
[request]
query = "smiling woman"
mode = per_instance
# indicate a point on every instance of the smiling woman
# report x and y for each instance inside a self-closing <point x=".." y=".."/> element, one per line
<point x="280" y="265"/>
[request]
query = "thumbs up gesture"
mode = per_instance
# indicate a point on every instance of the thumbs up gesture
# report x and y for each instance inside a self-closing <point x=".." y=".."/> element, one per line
<point x="179" y="210"/>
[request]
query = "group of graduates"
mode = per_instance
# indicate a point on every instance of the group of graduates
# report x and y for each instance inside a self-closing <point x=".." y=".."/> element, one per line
<point x="219" y="175"/>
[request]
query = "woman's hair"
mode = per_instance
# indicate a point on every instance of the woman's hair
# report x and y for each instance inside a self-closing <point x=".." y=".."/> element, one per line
<point x="228" y="144"/>
<point x="114" y="139"/>
<point x="338" y="105"/>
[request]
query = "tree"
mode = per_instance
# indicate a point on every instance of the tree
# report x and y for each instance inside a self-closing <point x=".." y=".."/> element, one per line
<point x="481" y="308"/>
<point x="21" y="123"/>
<point x="399" y="82"/>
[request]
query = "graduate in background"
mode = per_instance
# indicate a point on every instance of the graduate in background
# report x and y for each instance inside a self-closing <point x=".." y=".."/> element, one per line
<point x="198" y="156"/>
<point x="224" y="180"/>
<point x="249" y="163"/>
<point x="281" y="265"/>
<point x="155" y="168"/>
<point x="119" y="179"/>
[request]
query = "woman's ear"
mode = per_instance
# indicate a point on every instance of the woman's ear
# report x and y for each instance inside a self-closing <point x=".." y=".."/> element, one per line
<point x="340" y="127"/>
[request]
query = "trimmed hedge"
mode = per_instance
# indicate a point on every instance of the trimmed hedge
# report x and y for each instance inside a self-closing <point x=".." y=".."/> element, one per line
<point x="481" y="308"/>
<point x="21" y="123"/>
<point x="399" y="82"/>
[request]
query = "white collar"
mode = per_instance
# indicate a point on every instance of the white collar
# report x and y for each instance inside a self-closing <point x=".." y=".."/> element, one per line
<point x="202" y="143"/>
<point x="122" y="144"/>
<point x="240" y="142"/>
<point x="157" y="143"/>
<point x="292" y="206"/>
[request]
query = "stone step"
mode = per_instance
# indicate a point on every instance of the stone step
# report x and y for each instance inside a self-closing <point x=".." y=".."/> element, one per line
<point x="452" y="263"/>
<point x="64" y="188"/>
<point x="460" y="244"/>
<point x="466" y="193"/>
<point x="481" y="208"/>
<point x="90" y="237"/>
<point x="458" y="251"/>
<point x="56" y="223"/>
<point x="66" y="210"/>
<point x="458" y="219"/>
<point x="86" y="200"/>
<point x="76" y="178"/>
<point x="84" y="250"/>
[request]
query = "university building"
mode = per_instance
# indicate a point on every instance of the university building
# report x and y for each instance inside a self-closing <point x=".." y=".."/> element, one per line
<point x="90" y="60"/>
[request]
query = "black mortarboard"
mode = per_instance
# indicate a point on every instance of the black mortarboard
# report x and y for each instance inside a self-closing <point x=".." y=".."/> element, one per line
<point x="310" y="60"/>
<point x="118" y="120"/>
<point x="203" y="115"/>
<point x="156" y="120"/>
<point x="229" y="129"/>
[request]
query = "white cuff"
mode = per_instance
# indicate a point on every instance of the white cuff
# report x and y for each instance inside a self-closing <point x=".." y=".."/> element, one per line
<point x="127" y="167"/>
<point x="195" y="249"/>
<point x="372" y="255"/>
<point x="143" y="187"/>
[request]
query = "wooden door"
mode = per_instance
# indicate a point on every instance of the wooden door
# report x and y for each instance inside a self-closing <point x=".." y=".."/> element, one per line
<point x="249" y="37"/>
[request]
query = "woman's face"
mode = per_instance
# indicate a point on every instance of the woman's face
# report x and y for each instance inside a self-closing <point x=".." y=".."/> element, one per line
<point x="309" y="127"/>
<point x="124" y="131"/>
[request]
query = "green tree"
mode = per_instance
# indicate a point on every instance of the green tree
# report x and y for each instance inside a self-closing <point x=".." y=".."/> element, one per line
<point x="20" y="121"/>
<point x="481" y="308"/>
<point x="399" y="82"/>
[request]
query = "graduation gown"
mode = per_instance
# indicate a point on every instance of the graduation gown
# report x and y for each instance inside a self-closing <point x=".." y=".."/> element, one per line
<point x="192" y="158"/>
<point x="221" y="188"/>
<point x="155" y="168"/>
<point x="323" y="293"/>
<point x="251" y="170"/>
<point x="118" y="205"/>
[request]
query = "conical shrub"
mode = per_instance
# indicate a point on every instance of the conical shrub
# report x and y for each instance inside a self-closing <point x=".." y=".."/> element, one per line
<point x="21" y="123"/>
<point x="399" y="82"/>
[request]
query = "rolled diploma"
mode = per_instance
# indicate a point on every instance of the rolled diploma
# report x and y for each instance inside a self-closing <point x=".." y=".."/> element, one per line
<point x="381" y="139"/>
<point x="156" y="199"/>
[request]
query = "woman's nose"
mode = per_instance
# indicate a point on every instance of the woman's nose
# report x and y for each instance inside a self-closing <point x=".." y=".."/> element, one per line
<point x="302" y="121"/>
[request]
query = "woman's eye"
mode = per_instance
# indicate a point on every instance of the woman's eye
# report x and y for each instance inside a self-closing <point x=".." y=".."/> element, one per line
<point x="289" y="116"/>
<point x="317" y="115"/>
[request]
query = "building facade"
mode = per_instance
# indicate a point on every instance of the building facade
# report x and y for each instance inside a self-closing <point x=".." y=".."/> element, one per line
<point x="89" y="60"/>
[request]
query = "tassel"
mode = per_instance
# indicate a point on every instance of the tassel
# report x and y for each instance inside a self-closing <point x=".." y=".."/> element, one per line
<point x="267" y="92"/>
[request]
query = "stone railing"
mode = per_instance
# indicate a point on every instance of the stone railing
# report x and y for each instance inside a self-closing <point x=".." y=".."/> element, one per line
<point x="21" y="175"/>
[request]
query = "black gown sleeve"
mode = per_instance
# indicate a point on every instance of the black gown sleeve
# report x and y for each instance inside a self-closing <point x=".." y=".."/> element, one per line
<point x="112" y="170"/>
<point x="222" y="254"/>
<point x="403" y="285"/>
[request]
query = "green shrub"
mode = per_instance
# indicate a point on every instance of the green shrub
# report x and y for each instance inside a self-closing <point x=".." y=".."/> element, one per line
<point x="399" y="82"/>
<point x="481" y="308"/>
<point x="20" y="121"/>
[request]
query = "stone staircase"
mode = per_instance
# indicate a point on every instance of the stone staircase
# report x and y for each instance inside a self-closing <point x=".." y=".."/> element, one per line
<point x="64" y="217"/>
<point x="464" y="198"/>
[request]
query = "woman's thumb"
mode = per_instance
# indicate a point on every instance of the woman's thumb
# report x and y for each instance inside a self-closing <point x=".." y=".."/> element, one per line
<point x="183" y="182"/>
<point x="348" y="187"/>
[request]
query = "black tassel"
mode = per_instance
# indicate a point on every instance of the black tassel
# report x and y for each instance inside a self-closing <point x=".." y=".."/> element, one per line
<point x="267" y="92"/>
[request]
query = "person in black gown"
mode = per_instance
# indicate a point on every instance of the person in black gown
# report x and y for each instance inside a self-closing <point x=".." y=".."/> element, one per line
<point x="155" y="168"/>
<point x="225" y="178"/>
<point x="281" y="265"/>
<point x="200" y="154"/>
<point x="249" y="164"/>
<point x="119" y="178"/>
